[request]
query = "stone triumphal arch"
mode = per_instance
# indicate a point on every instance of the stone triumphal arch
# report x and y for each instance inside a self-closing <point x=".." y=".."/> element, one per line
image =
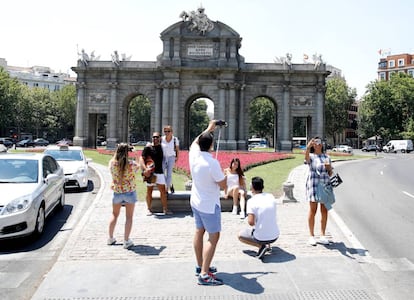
<point x="200" y="58"/>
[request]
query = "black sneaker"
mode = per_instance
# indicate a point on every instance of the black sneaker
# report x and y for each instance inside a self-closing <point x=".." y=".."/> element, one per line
<point x="261" y="251"/>
<point x="212" y="270"/>
<point x="210" y="279"/>
<point x="269" y="248"/>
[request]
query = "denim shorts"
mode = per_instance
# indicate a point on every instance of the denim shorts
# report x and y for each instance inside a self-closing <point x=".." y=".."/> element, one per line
<point x="210" y="222"/>
<point x="123" y="198"/>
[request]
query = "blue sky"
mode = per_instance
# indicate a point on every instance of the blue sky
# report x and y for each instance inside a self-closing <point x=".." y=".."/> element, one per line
<point x="348" y="33"/>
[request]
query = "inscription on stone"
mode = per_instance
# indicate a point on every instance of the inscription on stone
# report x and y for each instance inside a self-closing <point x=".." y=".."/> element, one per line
<point x="200" y="50"/>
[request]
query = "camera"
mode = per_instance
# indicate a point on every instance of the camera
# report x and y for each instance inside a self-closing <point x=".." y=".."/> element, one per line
<point x="221" y="123"/>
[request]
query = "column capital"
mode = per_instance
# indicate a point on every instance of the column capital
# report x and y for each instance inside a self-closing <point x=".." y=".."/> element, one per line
<point x="81" y="85"/>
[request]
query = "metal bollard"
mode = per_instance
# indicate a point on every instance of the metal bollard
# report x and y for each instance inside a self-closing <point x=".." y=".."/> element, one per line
<point x="188" y="185"/>
<point x="288" y="192"/>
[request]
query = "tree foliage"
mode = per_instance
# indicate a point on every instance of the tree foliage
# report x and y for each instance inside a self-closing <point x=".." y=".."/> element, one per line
<point x="10" y="93"/>
<point x="36" y="110"/>
<point x="387" y="108"/>
<point x="338" y="100"/>
<point x="262" y="114"/>
<point x="198" y="118"/>
<point x="139" y="118"/>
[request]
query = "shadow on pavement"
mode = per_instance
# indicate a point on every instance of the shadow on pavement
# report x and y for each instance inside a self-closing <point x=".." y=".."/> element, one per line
<point x="245" y="282"/>
<point x="277" y="255"/>
<point x="345" y="251"/>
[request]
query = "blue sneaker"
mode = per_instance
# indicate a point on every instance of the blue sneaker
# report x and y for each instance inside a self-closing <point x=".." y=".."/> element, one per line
<point x="210" y="279"/>
<point x="212" y="269"/>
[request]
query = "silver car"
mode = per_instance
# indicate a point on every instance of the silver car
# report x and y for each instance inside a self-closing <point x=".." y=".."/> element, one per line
<point x="31" y="186"/>
<point x="74" y="164"/>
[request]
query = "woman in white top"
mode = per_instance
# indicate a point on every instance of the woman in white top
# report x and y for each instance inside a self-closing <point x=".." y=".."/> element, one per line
<point x="170" y="148"/>
<point x="236" y="186"/>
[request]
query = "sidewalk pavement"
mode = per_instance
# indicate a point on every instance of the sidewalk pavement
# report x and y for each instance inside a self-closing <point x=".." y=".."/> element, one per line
<point x="161" y="264"/>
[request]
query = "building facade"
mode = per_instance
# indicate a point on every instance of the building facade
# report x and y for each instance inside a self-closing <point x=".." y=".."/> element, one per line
<point x="200" y="59"/>
<point x="38" y="76"/>
<point x="395" y="64"/>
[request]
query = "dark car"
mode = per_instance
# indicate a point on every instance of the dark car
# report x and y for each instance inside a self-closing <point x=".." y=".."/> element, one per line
<point x="25" y="143"/>
<point x="41" y="142"/>
<point x="370" y="148"/>
<point x="8" y="142"/>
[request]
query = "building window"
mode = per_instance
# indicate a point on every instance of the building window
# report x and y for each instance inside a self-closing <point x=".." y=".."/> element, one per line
<point x="391" y="63"/>
<point x="392" y="74"/>
<point x="401" y="62"/>
<point x="411" y="72"/>
<point x="382" y="76"/>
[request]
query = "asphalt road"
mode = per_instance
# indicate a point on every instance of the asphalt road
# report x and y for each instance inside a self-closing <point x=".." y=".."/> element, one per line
<point x="24" y="261"/>
<point x="376" y="202"/>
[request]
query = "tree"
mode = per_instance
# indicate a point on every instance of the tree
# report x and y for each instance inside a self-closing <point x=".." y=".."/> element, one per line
<point x="10" y="93"/>
<point x="338" y="100"/>
<point x="387" y="108"/>
<point x="198" y="119"/>
<point x="262" y="114"/>
<point x="140" y="117"/>
<point x="65" y="102"/>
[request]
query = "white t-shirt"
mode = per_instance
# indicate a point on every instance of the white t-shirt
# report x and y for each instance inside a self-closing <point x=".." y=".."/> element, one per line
<point x="206" y="172"/>
<point x="168" y="147"/>
<point x="263" y="206"/>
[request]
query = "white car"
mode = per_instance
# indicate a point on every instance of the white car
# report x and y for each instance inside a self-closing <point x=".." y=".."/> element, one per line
<point x="74" y="164"/>
<point x="342" y="148"/>
<point x="31" y="186"/>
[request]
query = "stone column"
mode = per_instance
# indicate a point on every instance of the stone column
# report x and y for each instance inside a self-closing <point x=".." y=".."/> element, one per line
<point x="156" y="114"/>
<point x="241" y="137"/>
<point x="80" y="139"/>
<point x="165" y="105"/>
<point x="232" y="123"/>
<point x="320" y="111"/>
<point x="175" y="107"/>
<point x="285" y="143"/>
<point x="113" y="137"/>
<point x="220" y="112"/>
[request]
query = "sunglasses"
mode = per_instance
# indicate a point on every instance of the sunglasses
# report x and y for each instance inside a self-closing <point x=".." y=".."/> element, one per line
<point x="155" y="137"/>
<point x="167" y="130"/>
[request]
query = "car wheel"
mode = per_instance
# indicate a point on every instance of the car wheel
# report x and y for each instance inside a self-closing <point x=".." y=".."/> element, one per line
<point x="40" y="221"/>
<point x="402" y="151"/>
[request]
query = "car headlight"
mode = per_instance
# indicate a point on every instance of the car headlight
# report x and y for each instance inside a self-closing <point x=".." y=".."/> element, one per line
<point x="81" y="170"/>
<point x="17" y="205"/>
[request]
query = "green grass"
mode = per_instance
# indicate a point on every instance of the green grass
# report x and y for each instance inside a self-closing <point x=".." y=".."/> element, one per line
<point x="274" y="174"/>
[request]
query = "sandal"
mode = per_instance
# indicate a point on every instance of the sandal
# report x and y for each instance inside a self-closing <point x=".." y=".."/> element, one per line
<point x="167" y="212"/>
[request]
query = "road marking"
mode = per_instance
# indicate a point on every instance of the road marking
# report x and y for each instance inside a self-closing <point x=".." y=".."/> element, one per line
<point x="408" y="194"/>
<point x="355" y="243"/>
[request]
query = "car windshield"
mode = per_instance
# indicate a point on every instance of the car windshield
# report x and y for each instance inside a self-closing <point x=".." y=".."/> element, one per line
<point x="65" y="154"/>
<point x="18" y="171"/>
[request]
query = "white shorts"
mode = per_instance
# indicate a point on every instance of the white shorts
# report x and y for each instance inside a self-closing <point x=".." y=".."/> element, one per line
<point x="160" y="179"/>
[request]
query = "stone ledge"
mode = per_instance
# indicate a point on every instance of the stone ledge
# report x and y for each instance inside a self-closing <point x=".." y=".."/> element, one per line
<point x="180" y="202"/>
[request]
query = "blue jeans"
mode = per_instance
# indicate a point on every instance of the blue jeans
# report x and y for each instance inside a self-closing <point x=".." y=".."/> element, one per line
<point x="168" y="165"/>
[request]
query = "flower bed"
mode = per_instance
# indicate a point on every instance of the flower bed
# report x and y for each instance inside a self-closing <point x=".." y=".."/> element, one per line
<point x="247" y="159"/>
